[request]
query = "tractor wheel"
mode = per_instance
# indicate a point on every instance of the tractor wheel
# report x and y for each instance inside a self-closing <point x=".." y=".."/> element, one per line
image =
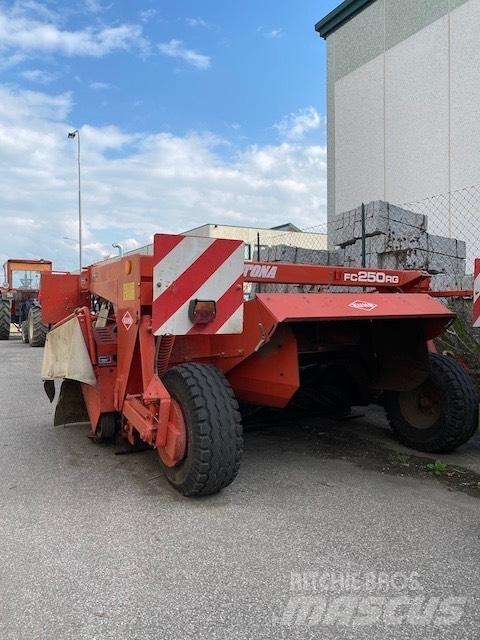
<point x="440" y="414"/>
<point x="4" y="319"/>
<point x="37" y="331"/>
<point x="208" y="414"/>
<point x="24" y="330"/>
<point x="107" y="428"/>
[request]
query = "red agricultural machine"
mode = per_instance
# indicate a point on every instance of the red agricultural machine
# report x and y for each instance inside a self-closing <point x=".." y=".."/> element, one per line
<point x="164" y="351"/>
<point x="19" y="304"/>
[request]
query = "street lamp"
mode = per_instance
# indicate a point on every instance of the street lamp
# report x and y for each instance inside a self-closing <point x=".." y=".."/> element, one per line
<point x="71" y="136"/>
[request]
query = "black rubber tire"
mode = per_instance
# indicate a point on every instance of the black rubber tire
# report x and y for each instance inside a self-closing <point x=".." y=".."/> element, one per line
<point x="106" y="428"/>
<point x="214" y="429"/>
<point x="37" y="331"/>
<point x="458" y="419"/>
<point x="24" y="330"/>
<point x="4" y="319"/>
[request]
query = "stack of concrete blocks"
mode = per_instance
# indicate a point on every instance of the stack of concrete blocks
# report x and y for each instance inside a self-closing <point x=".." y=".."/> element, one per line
<point x="396" y="238"/>
<point x="297" y="255"/>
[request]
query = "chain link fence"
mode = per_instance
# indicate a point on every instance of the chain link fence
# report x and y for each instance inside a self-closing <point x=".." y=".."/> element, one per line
<point x="276" y="245"/>
<point x="440" y="234"/>
<point x="454" y="215"/>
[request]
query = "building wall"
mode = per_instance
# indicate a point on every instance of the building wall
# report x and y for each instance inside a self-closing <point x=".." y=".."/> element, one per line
<point x="268" y="237"/>
<point x="403" y="96"/>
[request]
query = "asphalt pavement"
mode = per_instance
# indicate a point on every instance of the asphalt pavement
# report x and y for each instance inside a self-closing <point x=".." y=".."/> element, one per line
<point x="331" y="530"/>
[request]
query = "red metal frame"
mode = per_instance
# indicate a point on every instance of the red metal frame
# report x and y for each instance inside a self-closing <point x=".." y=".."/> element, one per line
<point x="60" y="294"/>
<point x="261" y="363"/>
<point x="307" y="274"/>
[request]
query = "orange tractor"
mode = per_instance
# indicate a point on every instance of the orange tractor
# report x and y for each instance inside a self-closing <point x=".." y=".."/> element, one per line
<point x="164" y="351"/>
<point x="19" y="300"/>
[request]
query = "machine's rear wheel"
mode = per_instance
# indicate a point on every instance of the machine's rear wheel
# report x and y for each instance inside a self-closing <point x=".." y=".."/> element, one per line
<point x="106" y="428"/>
<point x="212" y="422"/>
<point x="37" y="331"/>
<point x="4" y="319"/>
<point x="24" y="330"/>
<point x="440" y="414"/>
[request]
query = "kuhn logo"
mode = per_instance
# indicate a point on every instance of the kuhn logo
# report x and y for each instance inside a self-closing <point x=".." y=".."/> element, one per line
<point x="362" y="305"/>
<point x="259" y="271"/>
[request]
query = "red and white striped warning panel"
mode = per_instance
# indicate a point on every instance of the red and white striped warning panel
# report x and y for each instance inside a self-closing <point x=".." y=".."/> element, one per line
<point x="476" y="294"/>
<point x="189" y="268"/>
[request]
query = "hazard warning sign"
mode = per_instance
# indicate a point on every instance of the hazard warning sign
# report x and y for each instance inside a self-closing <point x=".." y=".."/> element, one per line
<point x="127" y="320"/>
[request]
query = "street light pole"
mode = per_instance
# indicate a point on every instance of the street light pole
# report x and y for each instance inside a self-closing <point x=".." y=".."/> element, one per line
<point x="71" y="135"/>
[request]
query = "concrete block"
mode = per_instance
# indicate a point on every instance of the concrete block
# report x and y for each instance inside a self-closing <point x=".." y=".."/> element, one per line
<point x="352" y="254"/>
<point x="394" y="241"/>
<point x="400" y="239"/>
<point x="336" y="257"/>
<point x="446" y="264"/>
<point x="312" y="256"/>
<point x="380" y="218"/>
<point x="442" y="281"/>
<point x="424" y="260"/>
<point x="446" y="246"/>
<point x="451" y="281"/>
<point x="404" y="216"/>
<point x="283" y="253"/>
<point x="265" y="254"/>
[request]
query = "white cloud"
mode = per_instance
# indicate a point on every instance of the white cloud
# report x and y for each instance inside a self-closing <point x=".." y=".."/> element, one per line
<point x="198" y="22"/>
<point x="33" y="106"/>
<point x="147" y="14"/>
<point x="99" y="86"/>
<point x="40" y="76"/>
<point x="23" y="33"/>
<point x="273" y="34"/>
<point x="11" y="60"/>
<point x="176" y="49"/>
<point x="134" y="185"/>
<point x="99" y="139"/>
<point x="95" y="6"/>
<point x="296" y="125"/>
<point x="32" y="8"/>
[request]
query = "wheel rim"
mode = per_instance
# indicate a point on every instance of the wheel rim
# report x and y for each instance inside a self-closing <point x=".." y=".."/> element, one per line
<point x="422" y="407"/>
<point x="175" y="448"/>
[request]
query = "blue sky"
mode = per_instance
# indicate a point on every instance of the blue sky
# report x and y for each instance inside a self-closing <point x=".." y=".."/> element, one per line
<point x="189" y="112"/>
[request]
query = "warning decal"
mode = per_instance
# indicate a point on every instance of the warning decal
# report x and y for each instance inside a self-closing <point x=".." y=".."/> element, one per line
<point x="127" y="320"/>
<point x="129" y="290"/>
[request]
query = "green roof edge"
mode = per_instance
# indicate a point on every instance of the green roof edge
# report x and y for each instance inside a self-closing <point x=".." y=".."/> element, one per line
<point x="336" y="18"/>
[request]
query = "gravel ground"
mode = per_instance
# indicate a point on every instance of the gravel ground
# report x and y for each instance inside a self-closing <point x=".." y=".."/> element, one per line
<point x="322" y="517"/>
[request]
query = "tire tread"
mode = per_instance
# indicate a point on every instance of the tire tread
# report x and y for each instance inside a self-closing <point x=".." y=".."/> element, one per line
<point x="218" y="445"/>
<point x="461" y="420"/>
<point x="5" y="317"/>
<point x="39" y="330"/>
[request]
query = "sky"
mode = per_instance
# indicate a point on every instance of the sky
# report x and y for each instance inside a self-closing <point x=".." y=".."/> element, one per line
<point x="189" y="112"/>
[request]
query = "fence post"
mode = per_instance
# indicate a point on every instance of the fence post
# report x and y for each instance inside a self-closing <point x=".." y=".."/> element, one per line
<point x="364" y="240"/>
